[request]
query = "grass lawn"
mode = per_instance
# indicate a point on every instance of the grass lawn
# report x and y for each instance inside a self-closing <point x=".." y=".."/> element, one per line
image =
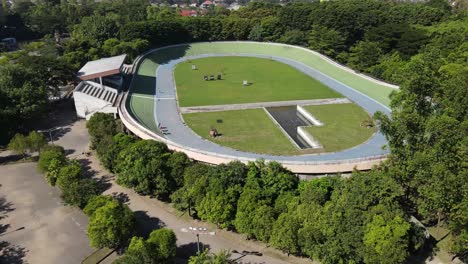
<point x="269" y="81"/>
<point x="247" y="130"/>
<point x="342" y="126"/>
<point x="445" y="241"/>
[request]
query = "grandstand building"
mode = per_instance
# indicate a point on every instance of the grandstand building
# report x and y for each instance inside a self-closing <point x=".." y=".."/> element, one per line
<point x="100" y="87"/>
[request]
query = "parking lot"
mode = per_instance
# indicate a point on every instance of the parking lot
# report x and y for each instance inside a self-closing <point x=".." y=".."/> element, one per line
<point x="35" y="227"/>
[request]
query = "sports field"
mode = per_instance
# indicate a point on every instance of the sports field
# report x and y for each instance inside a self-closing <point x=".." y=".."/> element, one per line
<point x="344" y="126"/>
<point x="140" y="105"/>
<point x="247" y="130"/>
<point x="268" y="81"/>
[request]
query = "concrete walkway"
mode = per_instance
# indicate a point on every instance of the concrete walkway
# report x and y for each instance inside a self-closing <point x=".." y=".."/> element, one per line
<point x="217" y="108"/>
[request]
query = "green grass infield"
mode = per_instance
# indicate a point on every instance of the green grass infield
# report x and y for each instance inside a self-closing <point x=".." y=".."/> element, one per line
<point x="247" y="130"/>
<point x="344" y="126"/>
<point x="268" y="81"/>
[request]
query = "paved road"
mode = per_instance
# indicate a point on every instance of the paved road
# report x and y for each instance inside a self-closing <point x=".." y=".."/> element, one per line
<point x="214" y="108"/>
<point x="167" y="113"/>
<point x="49" y="231"/>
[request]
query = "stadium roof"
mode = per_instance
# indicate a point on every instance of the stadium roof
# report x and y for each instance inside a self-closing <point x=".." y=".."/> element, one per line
<point x="102" y="67"/>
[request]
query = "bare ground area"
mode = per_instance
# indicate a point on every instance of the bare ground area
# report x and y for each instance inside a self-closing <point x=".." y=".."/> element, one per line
<point x="35" y="227"/>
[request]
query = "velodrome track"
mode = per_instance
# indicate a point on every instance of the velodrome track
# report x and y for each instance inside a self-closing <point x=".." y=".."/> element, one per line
<point x="152" y="99"/>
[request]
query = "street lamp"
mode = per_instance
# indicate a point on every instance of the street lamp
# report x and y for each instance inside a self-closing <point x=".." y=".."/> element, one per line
<point x="50" y="130"/>
<point x="198" y="231"/>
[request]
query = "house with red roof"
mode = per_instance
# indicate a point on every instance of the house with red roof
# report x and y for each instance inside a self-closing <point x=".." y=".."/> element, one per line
<point x="206" y="4"/>
<point x="188" y="13"/>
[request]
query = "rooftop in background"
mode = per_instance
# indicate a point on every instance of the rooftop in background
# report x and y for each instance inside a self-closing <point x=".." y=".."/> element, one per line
<point x="187" y="13"/>
<point x="102" y="67"/>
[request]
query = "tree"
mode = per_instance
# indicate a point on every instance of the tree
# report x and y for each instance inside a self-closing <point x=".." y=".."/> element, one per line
<point x="48" y="154"/>
<point x="262" y="223"/>
<point x="194" y="188"/>
<point x="69" y="173"/>
<point x="219" y="206"/>
<point x="32" y="143"/>
<point x="96" y="29"/>
<point x="163" y="241"/>
<point x="386" y="240"/>
<point x="97" y="202"/>
<point x="160" y="247"/>
<point x="177" y="163"/>
<point x="143" y="166"/>
<point x="109" y="149"/>
<point x="223" y="257"/>
<point x="101" y="125"/>
<point x="111" y="225"/>
<point x="23" y="98"/>
<point x="294" y="37"/>
<point x="79" y="192"/>
<point x="284" y="234"/>
<point x="36" y="141"/>
<point x="364" y="55"/>
<point x="19" y="144"/>
<point x="325" y="40"/>
<point x="53" y="171"/>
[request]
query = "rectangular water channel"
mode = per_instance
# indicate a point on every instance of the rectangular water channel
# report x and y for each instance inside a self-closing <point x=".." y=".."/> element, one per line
<point x="289" y="119"/>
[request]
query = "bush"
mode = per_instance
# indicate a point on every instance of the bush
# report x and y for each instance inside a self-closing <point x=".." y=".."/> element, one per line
<point x="48" y="154"/>
<point x="97" y="202"/>
<point x="111" y="225"/>
<point x="101" y="125"/>
<point x="18" y="144"/>
<point x="160" y="247"/>
<point x="68" y="174"/>
<point x="53" y="171"/>
<point x="79" y="192"/>
<point x="32" y="143"/>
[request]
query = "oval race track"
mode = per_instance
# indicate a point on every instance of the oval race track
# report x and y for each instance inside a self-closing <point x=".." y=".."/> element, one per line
<point x="182" y="138"/>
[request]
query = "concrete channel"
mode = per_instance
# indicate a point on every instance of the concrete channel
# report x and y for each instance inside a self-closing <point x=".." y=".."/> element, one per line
<point x="290" y="119"/>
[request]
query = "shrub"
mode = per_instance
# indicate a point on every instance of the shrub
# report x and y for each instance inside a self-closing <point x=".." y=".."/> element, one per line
<point x="69" y="173"/>
<point x="111" y="225"/>
<point x="79" y="192"/>
<point x="97" y="202"/>
<point x="48" y="154"/>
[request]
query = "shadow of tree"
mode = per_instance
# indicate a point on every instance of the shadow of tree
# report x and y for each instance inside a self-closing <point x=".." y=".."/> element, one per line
<point x="425" y="254"/>
<point x="10" y="158"/>
<point x="11" y="254"/>
<point x="121" y="197"/>
<point x="5" y="207"/>
<point x="146" y="223"/>
<point x="88" y="172"/>
<point x="185" y="251"/>
<point x="104" y="182"/>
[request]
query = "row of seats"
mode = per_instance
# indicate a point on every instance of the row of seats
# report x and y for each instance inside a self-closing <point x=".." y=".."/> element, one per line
<point x="99" y="92"/>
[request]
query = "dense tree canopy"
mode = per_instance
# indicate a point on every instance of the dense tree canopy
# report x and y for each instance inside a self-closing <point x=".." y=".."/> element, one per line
<point x="160" y="247"/>
<point x="111" y="225"/>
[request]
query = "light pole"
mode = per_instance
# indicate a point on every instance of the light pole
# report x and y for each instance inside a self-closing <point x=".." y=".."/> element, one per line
<point x="198" y="231"/>
<point x="50" y="132"/>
